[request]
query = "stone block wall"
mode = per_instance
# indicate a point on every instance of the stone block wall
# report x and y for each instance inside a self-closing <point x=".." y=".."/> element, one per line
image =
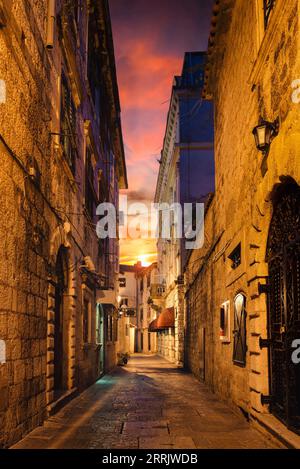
<point x="42" y="212"/>
<point x="250" y="75"/>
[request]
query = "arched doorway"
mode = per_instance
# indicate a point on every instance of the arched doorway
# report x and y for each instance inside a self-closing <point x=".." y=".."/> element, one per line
<point x="61" y="285"/>
<point x="283" y="257"/>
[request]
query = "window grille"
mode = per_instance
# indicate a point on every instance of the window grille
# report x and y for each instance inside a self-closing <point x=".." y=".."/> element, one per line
<point x="89" y="185"/>
<point x="68" y="124"/>
<point x="268" y="7"/>
<point x="236" y="257"/>
<point x="94" y="71"/>
<point x="240" y="339"/>
<point x="122" y="282"/>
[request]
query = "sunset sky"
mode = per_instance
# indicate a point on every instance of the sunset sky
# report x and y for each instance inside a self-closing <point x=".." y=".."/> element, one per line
<point x="150" y="39"/>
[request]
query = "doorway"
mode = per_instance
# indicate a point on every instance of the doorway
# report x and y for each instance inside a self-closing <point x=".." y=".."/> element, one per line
<point x="283" y="257"/>
<point x="100" y="336"/>
<point x="61" y="285"/>
<point x="202" y="353"/>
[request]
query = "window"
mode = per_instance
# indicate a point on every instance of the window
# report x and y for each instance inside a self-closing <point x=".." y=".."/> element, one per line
<point x="94" y="65"/>
<point x="124" y="302"/>
<point x="102" y="187"/>
<point x="160" y="215"/>
<point x="194" y="219"/>
<point x="115" y="329"/>
<point x="86" y="313"/>
<point x="122" y="282"/>
<point x="141" y="284"/>
<point x="225" y="322"/>
<point x="235" y="257"/>
<point x="141" y="314"/>
<point x="90" y="198"/>
<point x="68" y="124"/>
<point x="268" y="7"/>
<point x="148" y="279"/>
<point x="70" y="16"/>
<point x="74" y="15"/>
<point x="109" y="327"/>
<point x="77" y="11"/>
<point x="240" y="346"/>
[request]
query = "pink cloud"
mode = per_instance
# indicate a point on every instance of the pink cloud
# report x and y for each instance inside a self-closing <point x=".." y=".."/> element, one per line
<point x="150" y="40"/>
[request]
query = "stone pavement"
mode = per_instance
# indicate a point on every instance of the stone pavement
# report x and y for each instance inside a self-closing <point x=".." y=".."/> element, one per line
<point x="147" y="404"/>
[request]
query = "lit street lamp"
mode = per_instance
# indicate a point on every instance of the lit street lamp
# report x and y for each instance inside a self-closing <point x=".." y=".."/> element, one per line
<point x="264" y="133"/>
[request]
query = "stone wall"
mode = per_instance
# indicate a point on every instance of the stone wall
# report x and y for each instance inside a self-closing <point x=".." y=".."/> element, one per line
<point x="41" y="214"/>
<point x="250" y="75"/>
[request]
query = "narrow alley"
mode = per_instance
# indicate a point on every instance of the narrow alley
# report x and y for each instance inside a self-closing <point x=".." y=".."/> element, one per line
<point x="149" y="404"/>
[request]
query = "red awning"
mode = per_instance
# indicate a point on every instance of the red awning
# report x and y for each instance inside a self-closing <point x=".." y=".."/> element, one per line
<point x="153" y="326"/>
<point x="166" y="319"/>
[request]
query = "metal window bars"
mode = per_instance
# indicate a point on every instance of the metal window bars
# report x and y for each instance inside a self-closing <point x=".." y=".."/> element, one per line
<point x="268" y="7"/>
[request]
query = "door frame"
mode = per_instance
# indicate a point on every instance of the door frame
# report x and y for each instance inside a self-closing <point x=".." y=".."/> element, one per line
<point x="283" y="259"/>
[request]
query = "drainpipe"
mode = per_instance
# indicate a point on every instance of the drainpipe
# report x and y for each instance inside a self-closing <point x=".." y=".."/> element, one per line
<point x="50" y="24"/>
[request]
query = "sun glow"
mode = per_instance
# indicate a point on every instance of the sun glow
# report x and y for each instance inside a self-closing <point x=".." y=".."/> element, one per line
<point x="144" y="259"/>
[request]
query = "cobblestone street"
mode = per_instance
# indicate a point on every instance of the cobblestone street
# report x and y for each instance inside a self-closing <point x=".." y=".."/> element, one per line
<point x="148" y="404"/>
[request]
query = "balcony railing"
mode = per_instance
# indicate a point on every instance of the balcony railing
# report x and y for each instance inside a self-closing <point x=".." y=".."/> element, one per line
<point x="157" y="291"/>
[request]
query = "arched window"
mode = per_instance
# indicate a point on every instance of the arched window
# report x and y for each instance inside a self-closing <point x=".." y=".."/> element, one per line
<point x="240" y="337"/>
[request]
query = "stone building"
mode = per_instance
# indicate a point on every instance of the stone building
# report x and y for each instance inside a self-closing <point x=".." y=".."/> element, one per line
<point x="61" y="155"/>
<point x="136" y="311"/>
<point x="186" y="175"/>
<point x="242" y="287"/>
<point x="147" y="278"/>
<point x="127" y="299"/>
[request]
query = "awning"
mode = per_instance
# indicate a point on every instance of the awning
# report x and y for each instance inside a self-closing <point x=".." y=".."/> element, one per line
<point x="165" y="320"/>
<point x="153" y="326"/>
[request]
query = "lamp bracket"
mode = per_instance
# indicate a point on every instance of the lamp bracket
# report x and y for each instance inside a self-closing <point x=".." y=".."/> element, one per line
<point x="275" y="125"/>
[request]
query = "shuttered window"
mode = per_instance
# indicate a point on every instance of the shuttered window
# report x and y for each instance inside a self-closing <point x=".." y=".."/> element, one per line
<point x="94" y="71"/>
<point x="240" y="338"/>
<point x="268" y="7"/>
<point x="90" y="195"/>
<point x="85" y="325"/>
<point x="68" y="124"/>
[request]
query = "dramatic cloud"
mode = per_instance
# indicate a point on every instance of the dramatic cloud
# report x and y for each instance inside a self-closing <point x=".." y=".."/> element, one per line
<point x="150" y="40"/>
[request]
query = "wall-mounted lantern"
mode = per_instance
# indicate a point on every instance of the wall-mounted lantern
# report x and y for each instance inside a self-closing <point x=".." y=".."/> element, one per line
<point x="264" y="133"/>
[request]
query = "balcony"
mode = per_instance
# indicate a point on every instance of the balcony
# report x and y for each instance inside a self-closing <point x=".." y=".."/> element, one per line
<point x="108" y="297"/>
<point x="126" y="311"/>
<point x="157" y="291"/>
